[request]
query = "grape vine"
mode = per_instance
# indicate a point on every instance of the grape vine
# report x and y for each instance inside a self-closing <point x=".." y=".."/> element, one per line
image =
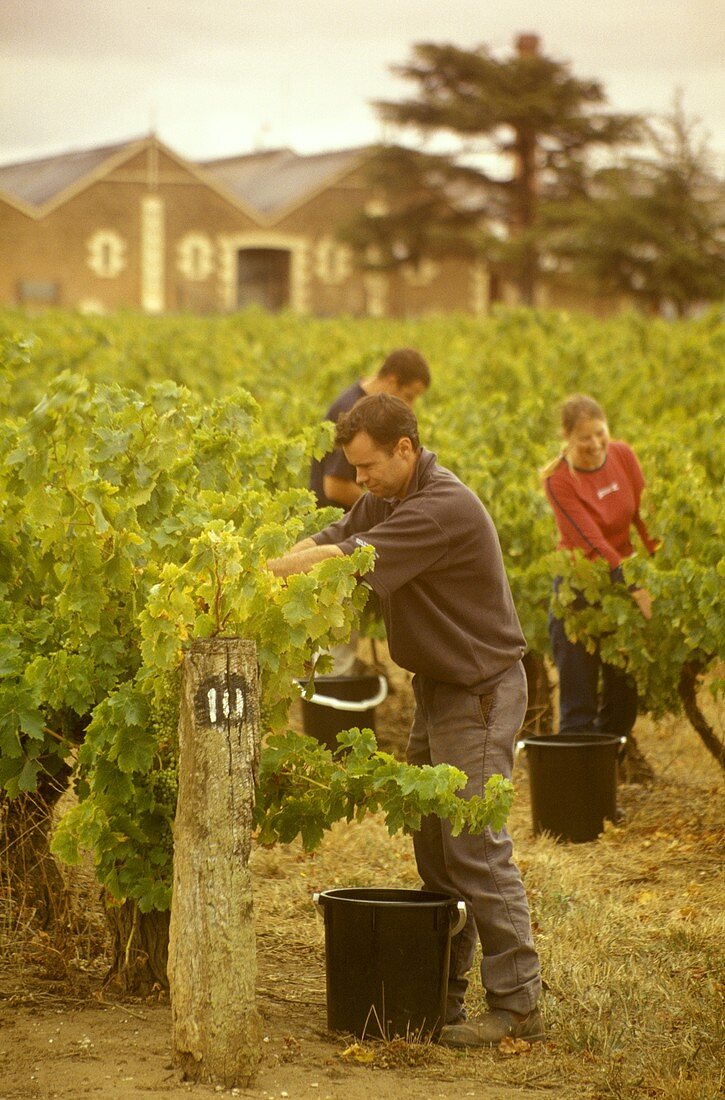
<point x="151" y="466"/>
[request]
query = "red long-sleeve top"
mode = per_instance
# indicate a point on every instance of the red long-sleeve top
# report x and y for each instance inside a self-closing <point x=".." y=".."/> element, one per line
<point x="595" y="509"/>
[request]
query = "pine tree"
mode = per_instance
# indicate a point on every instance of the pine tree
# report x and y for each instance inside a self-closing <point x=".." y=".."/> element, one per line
<point x="529" y="109"/>
<point x="656" y="231"/>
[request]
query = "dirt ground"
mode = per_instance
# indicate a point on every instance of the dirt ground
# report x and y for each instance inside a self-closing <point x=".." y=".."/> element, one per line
<point x="60" y="1037"/>
<point x="53" y="1047"/>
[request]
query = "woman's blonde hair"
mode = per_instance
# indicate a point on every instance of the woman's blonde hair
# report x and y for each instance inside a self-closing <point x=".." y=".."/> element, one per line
<point x="577" y="407"/>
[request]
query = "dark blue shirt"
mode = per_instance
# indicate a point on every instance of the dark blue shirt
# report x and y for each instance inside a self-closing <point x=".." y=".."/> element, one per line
<point x="334" y="463"/>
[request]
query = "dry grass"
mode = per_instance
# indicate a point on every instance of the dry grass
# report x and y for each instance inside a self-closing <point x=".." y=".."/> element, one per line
<point x="62" y="935"/>
<point x="630" y="929"/>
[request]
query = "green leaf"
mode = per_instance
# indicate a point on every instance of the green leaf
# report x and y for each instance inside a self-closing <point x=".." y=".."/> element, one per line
<point x="28" y="778"/>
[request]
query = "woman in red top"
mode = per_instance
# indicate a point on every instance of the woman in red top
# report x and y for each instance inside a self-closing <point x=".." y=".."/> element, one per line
<point x="594" y="488"/>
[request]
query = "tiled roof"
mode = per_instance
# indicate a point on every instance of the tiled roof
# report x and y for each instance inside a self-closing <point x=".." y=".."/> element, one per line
<point x="35" y="182"/>
<point x="268" y="181"/>
<point x="273" y="179"/>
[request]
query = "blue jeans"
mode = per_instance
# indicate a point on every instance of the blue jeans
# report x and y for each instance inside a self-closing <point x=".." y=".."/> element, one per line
<point x="581" y="707"/>
<point x="476" y="734"/>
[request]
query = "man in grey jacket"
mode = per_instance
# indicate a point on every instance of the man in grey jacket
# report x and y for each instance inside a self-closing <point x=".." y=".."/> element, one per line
<point x="450" y="620"/>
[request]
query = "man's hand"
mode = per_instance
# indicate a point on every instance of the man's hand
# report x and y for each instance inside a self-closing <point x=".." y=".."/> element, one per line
<point x="302" y="557"/>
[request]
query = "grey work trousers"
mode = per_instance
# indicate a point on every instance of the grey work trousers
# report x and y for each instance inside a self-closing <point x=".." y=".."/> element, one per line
<point x="476" y="734"/>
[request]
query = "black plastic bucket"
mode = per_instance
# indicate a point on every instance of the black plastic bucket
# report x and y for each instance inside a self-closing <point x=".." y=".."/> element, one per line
<point x="341" y="702"/>
<point x="387" y="955"/>
<point x="573" y="783"/>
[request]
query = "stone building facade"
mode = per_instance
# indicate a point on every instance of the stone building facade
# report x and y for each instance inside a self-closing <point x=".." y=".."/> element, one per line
<point x="136" y="226"/>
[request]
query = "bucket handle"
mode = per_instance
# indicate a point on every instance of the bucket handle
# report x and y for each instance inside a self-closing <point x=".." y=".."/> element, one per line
<point x="351" y="704"/>
<point x="461" y="912"/>
<point x="461" y="918"/>
<point x="522" y="744"/>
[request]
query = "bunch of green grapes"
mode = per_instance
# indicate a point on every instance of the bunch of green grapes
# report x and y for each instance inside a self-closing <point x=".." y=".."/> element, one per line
<point x="164" y="778"/>
<point x="164" y="785"/>
<point x="165" y="717"/>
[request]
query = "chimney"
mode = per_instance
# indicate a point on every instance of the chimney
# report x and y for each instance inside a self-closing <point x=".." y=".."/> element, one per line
<point x="527" y="45"/>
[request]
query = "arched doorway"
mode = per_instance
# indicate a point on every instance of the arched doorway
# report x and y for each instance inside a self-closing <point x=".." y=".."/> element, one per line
<point x="263" y="278"/>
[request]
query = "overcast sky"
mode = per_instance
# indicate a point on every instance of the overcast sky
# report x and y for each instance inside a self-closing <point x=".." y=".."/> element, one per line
<point x="218" y="77"/>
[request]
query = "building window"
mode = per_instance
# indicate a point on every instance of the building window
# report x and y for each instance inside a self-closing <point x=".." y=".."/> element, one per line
<point x="106" y="253"/>
<point x="373" y="255"/>
<point x="421" y="273"/>
<point x="377" y="207"/>
<point x="37" y="290"/>
<point x="333" y="261"/>
<point x="195" y="257"/>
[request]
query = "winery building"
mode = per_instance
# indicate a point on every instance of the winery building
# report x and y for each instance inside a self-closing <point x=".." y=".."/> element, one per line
<point x="136" y="226"/>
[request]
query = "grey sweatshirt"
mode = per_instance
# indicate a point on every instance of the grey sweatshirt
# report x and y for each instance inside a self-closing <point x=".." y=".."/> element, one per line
<point x="439" y="573"/>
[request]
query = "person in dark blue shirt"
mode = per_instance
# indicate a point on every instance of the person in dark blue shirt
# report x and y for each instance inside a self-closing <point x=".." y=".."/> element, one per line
<point x="404" y="374"/>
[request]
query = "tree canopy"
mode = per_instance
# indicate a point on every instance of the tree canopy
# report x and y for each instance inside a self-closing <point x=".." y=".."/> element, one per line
<point x="654" y="227"/>
<point x="527" y="106"/>
<point x="618" y="203"/>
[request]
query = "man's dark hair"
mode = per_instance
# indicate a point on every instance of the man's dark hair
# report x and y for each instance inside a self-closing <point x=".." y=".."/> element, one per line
<point x="385" y="418"/>
<point x="407" y="365"/>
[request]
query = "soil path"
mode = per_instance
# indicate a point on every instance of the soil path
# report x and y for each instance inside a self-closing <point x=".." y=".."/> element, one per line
<point x="123" y="1052"/>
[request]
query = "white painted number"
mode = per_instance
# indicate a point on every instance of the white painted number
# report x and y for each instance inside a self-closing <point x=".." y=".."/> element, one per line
<point x="225" y="707"/>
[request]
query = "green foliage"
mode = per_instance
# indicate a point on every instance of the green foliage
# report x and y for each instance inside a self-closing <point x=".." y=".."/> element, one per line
<point x="134" y="524"/>
<point x="304" y="789"/>
<point x="655" y="232"/>
<point x="528" y="108"/>
<point x="142" y="491"/>
<point x="685" y="578"/>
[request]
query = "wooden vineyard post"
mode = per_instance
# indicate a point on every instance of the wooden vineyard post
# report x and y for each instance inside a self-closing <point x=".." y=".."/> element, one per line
<point x="212" y="952"/>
